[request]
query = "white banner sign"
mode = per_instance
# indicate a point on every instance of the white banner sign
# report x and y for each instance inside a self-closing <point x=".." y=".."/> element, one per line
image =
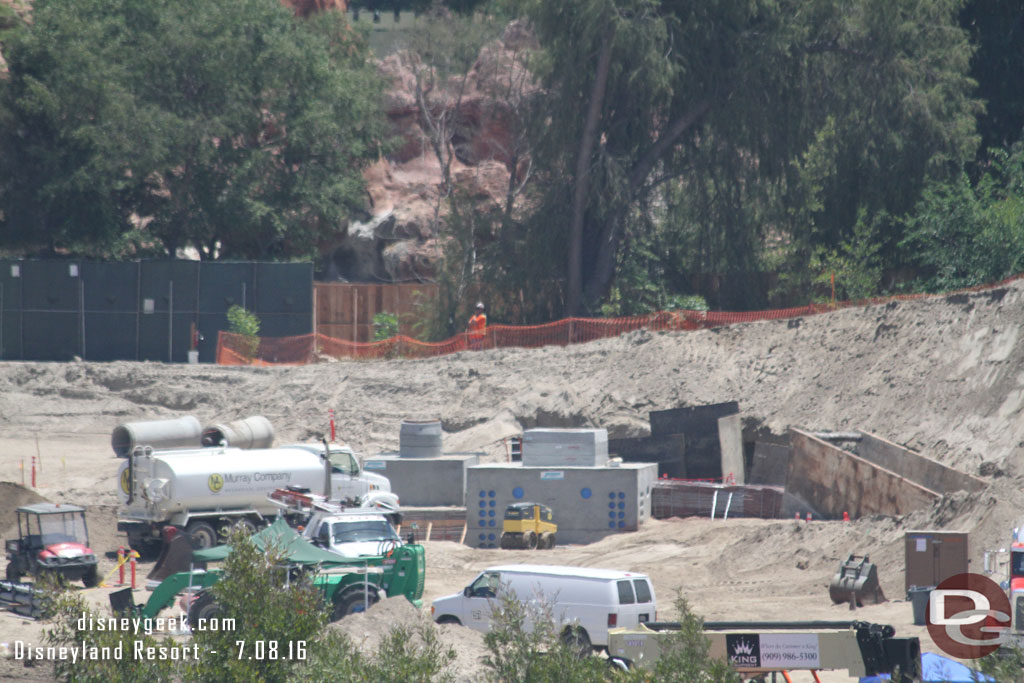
<point x="789" y="650"/>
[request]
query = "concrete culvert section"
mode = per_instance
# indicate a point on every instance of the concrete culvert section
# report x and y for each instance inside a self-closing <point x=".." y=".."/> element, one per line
<point x="252" y="432"/>
<point x="180" y="432"/>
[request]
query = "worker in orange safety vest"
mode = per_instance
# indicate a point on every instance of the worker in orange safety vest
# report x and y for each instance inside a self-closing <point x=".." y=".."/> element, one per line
<point x="478" y="327"/>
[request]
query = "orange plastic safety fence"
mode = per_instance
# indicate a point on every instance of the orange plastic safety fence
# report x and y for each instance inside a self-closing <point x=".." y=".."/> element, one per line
<point x="233" y="349"/>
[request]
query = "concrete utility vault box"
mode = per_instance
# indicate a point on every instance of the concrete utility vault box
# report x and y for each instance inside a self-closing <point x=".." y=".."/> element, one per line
<point x="425" y="482"/>
<point x="565" y="447"/>
<point x="934" y="556"/>
<point x="588" y="502"/>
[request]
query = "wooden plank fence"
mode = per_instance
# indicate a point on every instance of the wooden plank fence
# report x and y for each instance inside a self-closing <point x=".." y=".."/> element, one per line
<point x="345" y="310"/>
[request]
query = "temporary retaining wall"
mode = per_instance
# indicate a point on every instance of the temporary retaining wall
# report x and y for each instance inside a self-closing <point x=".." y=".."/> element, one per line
<point x="914" y="466"/>
<point x="834" y="481"/>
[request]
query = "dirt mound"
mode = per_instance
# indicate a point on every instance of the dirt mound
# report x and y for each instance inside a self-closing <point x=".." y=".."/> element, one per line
<point x="368" y="629"/>
<point x="13" y="496"/>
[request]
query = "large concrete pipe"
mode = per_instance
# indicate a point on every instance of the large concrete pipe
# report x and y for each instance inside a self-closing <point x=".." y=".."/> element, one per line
<point x="420" y="439"/>
<point x="252" y="432"/>
<point x="184" y="431"/>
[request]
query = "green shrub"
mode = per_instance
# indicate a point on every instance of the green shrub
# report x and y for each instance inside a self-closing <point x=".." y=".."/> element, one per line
<point x="385" y="326"/>
<point x="247" y="325"/>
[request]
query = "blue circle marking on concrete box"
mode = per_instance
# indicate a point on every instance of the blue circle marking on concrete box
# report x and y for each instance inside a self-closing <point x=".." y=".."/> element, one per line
<point x="491" y="523"/>
<point x="490" y="513"/>
<point x="611" y="495"/>
<point x="586" y="492"/>
<point x="517" y="492"/>
<point x="492" y="503"/>
<point x="622" y="506"/>
<point x="611" y="525"/>
<point x="483" y="493"/>
<point x="621" y="494"/>
<point x="611" y="505"/>
<point x="483" y="522"/>
<point x="483" y="503"/>
<point x="611" y="515"/>
<point x="621" y="515"/>
<point x="490" y="537"/>
<point x="483" y="513"/>
<point x="490" y="494"/>
<point x="622" y="525"/>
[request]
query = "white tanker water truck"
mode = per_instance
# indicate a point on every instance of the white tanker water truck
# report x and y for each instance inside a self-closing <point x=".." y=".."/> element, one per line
<point x="205" y="490"/>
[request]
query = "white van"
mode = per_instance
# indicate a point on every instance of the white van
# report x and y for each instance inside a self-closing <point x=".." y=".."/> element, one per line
<point x="594" y="599"/>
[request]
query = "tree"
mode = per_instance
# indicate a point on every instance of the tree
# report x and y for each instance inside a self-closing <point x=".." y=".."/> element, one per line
<point x="963" y="234"/>
<point x="233" y="128"/>
<point x="721" y="99"/>
<point x="274" y="609"/>
<point x="997" y="29"/>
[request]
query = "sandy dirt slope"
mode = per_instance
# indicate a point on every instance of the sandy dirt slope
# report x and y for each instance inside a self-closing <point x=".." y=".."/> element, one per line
<point x="944" y="376"/>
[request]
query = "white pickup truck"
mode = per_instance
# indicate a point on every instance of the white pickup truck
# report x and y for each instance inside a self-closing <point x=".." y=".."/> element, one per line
<point x="353" y="533"/>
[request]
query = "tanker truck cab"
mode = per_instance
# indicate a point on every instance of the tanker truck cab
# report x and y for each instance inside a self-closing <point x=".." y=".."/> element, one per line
<point x="348" y="479"/>
<point x="593" y="600"/>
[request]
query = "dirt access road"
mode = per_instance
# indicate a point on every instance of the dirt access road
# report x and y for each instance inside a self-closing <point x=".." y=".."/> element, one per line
<point x="944" y="376"/>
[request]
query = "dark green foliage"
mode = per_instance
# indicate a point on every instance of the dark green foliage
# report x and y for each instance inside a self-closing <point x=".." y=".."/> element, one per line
<point x="405" y="654"/>
<point x="525" y="644"/>
<point x="1006" y="665"/>
<point x="964" y="234"/>
<point x="685" y="657"/>
<point x="234" y="128"/>
<point x="267" y="605"/>
<point x="68" y="611"/>
<point x="247" y="324"/>
<point x="385" y="326"/>
<point x="748" y="122"/>
<point x="996" y="28"/>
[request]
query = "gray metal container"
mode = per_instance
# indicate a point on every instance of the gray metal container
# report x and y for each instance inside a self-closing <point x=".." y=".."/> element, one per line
<point x="565" y="447"/>
<point x="183" y="431"/>
<point x="420" y="439"/>
<point x="252" y="432"/>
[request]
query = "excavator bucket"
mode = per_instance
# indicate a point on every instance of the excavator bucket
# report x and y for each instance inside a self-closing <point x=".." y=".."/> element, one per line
<point x="175" y="556"/>
<point x="856" y="581"/>
<point x="122" y="602"/>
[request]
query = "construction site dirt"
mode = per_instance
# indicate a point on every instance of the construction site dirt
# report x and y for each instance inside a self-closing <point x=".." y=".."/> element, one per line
<point x="942" y="376"/>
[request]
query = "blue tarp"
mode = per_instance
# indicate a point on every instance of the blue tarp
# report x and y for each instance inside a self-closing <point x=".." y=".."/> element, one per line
<point x="938" y="669"/>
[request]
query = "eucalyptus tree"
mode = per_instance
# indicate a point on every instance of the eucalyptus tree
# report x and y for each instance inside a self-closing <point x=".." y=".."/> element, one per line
<point x="745" y="115"/>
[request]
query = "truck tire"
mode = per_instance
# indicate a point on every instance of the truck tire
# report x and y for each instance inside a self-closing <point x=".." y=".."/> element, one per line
<point x="551" y="541"/>
<point x="530" y="540"/>
<point x="202" y="534"/>
<point x="245" y="524"/>
<point x="91" y="578"/>
<point x="352" y="601"/>
<point x="13" y="575"/>
<point x="148" y="548"/>
<point x="203" y="607"/>
<point x="576" y="639"/>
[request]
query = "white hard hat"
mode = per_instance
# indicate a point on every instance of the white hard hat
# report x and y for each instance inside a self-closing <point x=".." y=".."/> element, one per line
<point x="479" y="304"/>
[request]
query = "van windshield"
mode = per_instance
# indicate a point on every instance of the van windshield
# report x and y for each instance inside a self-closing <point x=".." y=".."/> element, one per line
<point x="486" y="586"/>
